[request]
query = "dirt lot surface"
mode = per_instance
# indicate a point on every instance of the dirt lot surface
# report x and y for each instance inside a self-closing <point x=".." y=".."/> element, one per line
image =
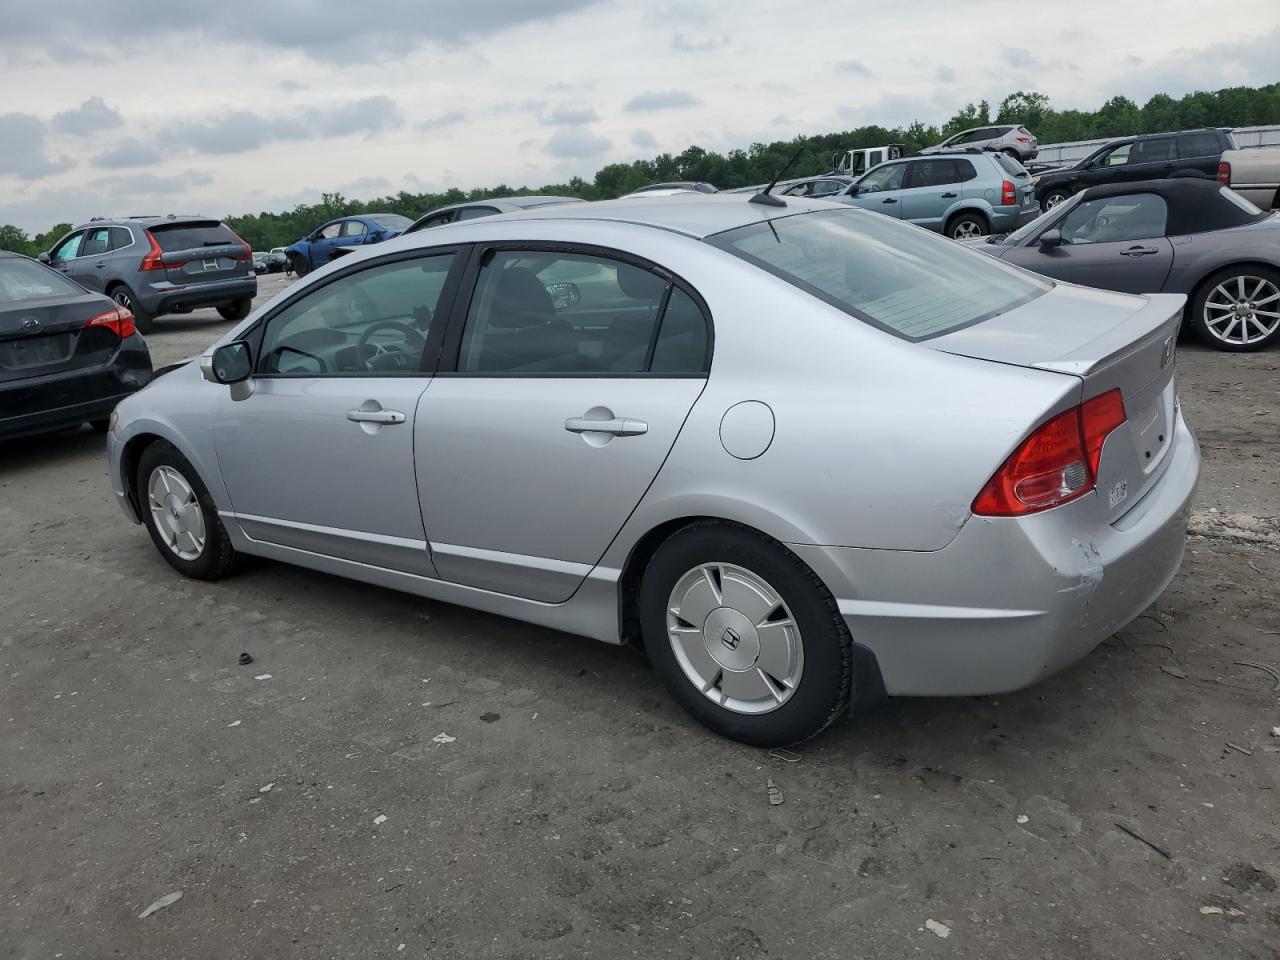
<point x="396" y="778"/>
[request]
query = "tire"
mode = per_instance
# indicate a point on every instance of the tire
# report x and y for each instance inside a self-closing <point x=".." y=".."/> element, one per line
<point x="125" y="297"/>
<point x="808" y="682"/>
<point x="215" y="558"/>
<point x="236" y="309"/>
<point x="964" y="226"/>
<point x="299" y="264"/>
<point x="1052" y="198"/>
<point x="1230" y="309"/>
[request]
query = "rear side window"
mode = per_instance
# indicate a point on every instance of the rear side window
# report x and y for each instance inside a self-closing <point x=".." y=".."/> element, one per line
<point x="965" y="171"/>
<point x="909" y="282"/>
<point x="1152" y="151"/>
<point x="932" y="173"/>
<point x="555" y="314"/>
<point x="1009" y="165"/>
<point x="20" y="279"/>
<point x="474" y="213"/>
<point x="192" y="235"/>
<point x="1198" y="145"/>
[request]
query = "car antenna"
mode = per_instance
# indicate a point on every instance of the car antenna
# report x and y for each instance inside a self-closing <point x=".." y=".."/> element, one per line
<point x="763" y="196"/>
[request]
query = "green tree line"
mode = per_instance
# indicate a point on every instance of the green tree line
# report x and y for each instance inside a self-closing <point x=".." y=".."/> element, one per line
<point x="1119" y="116"/>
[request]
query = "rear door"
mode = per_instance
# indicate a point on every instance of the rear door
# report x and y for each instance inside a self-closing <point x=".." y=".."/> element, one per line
<point x="1116" y="243"/>
<point x="558" y="412"/>
<point x="930" y="190"/>
<point x="319" y="455"/>
<point x="1199" y="152"/>
<point x="198" y="251"/>
<point x="1150" y="159"/>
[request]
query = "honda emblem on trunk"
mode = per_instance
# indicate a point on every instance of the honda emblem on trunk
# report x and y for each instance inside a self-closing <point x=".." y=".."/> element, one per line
<point x="1167" y="354"/>
<point x="31" y="325"/>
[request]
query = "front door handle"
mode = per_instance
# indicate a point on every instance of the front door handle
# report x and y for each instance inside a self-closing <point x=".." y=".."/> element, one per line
<point x="618" y="426"/>
<point x="888" y="200"/>
<point x="375" y="416"/>
<point x="1139" y="251"/>
<point x="948" y="196"/>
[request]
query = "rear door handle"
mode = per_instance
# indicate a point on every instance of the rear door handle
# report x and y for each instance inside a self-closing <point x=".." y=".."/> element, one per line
<point x="375" y="416"/>
<point x="618" y="426"/>
<point x="1139" y="251"/>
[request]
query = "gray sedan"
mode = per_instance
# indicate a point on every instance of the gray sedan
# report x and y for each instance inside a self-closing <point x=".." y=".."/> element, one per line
<point x="804" y="455"/>
<point x="1185" y="236"/>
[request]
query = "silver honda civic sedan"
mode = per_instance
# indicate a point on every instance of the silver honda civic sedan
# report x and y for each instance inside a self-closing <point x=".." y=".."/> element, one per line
<point x="804" y="454"/>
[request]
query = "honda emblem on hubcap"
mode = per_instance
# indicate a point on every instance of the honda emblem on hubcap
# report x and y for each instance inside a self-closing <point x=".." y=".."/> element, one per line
<point x="730" y="638"/>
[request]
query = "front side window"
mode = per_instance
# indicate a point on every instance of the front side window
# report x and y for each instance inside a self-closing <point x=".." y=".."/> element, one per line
<point x="354" y="228"/>
<point x="69" y="248"/>
<point x="909" y="282"/>
<point x="375" y="321"/>
<point x="932" y="173"/>
<point x="887" y="177"/>
<point x="1115" y="156"/>
<point x="1138" y="216"/>
<point x="554" y="313"/>
<point x="330" y="231"/>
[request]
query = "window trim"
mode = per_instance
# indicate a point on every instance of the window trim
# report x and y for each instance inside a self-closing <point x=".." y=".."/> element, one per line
<point x="452" y="347"/>
<point x="427" y="366"/>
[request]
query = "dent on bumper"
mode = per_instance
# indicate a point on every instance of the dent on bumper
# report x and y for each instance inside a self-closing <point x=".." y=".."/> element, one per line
<point x="1011" y="601"/>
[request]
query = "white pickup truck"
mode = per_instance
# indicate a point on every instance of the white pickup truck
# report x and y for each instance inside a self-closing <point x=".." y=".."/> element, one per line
<point x="1253" y="173"/>
<point x="854" y="163"/>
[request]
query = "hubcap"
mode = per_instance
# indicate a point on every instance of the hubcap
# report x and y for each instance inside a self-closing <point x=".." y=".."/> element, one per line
<point x="1243" y="310"/>
<point x="176" y="512"/>
<point x="734" y="638"/>
<point x="966" y="229"/>
<point x="1053" y="200"/>
<point x="123" y="299"/>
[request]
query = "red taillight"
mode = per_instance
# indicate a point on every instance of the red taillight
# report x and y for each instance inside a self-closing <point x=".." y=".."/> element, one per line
<point x="1008" y="194"/>
<point x="1024" y="139"/>
<point x="1224" y="173"/>
<point x="1056" y="464"/>
<point x="154" y="260"/>
<point x="248" y="250"/>
<point x="119" y="321"/>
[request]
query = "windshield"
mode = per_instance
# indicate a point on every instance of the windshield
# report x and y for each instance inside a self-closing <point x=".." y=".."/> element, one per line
<point x="392" y="221"/>
<point x="910" y="282"/>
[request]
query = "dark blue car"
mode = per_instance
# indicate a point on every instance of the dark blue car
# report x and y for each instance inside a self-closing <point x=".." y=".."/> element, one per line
<point x="320" y="246"/>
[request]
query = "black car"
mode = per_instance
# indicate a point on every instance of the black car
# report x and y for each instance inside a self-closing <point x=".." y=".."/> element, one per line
<point x="1152" y="156"/>
<point x="67" y="356"/>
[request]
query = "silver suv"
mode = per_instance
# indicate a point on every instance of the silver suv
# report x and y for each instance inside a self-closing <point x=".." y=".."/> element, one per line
<point x="1018" y="142"/>
<point x="158" y="265"/>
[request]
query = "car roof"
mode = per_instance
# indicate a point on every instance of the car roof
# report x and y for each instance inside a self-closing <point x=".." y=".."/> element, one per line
<point x="1193" y="205"/>
<point x="504" y="203"/>
<point x="687" y="212"/>
<point x="147" y="220"/>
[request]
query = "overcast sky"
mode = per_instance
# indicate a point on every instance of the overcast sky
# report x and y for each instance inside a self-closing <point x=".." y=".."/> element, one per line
<point x="150" y="107"/>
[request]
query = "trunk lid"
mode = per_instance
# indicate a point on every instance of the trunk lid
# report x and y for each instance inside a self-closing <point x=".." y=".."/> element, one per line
<point x="197" y="251"/>
<point x="1109" y="341"/>
<point x="47" y="335"/>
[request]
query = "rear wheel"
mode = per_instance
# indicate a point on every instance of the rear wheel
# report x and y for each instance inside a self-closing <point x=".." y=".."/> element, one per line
<point x="744" y="636"/>
<point x="236" y="309"/>
<point x="299" y="264"/>
<point x="1053" y="198"/>
<point x="1238" y="309"/>
<point x="966" y="226"/>
<point x="122" y="295"/>
<point x="181" y="516"/>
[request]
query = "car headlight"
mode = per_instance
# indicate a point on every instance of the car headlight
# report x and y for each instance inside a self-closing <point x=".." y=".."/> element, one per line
<point x="112" y="421"/>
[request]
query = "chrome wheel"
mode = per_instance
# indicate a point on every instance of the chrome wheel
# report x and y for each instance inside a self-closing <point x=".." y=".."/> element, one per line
<point x="122" y="297"/>
<point x="1053" y="199"/>
<point x="176" y="512"/>
<point x="1242" y="310"/>
<point x="734" y="638"/>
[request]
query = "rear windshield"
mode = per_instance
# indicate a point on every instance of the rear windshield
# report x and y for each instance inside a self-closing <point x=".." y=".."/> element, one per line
<point x="25" y="280"/>
<point x="192" y="234"/>
<point x="1010" y="165"/>
<point x="392" y="221"/>
<point x="910" y="282"/>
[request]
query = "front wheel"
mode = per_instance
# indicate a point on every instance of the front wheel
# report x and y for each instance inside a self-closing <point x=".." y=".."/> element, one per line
<point x="144" y="321"/>
<point x="236" y="309"/>
<point x="744" y="635"/>
<point x="1052" y="199"/>
<point x="1238" y="309"/>
<point x="181" y="516"/>
<point x="299" y="265"/>
<point x="966" y="226"/>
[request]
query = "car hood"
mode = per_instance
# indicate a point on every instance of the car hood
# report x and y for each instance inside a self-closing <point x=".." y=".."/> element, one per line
<point x="983" y="245"/>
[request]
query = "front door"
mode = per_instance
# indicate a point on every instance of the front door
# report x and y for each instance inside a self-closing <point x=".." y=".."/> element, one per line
<point x="63" y="257"/>
<point x="324" y="242"/>
<point x="881" y="189"/>
<point x="574" y="374"/>
<point x="1116" y="243"/>
<point x="319" y="456"/>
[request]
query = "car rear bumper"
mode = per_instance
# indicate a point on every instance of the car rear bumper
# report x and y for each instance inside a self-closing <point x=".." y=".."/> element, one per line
<point x="69" y="398"/>
<point x="166" y="297"/>
<point x="1007" y="219"/>
<point x="1011" y="601"/>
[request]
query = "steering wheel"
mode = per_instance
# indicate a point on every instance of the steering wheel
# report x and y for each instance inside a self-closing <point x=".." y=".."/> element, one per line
<point x="400" y="358"/>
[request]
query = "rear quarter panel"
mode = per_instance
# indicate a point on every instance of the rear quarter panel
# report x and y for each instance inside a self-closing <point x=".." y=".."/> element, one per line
<point x="1196" y="256"/>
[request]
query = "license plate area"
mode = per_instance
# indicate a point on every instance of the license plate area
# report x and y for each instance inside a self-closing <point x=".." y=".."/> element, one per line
<point x="33" y="352"/>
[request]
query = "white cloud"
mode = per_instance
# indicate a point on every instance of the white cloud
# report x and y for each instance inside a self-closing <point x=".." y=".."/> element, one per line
<point x="90" y="117"/>
<point x="652" y="100"/>
<point x="576" y="143"/>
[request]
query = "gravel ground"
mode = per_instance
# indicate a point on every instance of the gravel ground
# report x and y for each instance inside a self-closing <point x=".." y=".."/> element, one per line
<point x="393" y="777"/>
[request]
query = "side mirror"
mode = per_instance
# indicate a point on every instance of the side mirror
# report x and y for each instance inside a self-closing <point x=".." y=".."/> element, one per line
<point x="853" y="190"/>
<point x="1050" y="239"/>
<point x="45" y="258"/>
<point x="230" y="363"/>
